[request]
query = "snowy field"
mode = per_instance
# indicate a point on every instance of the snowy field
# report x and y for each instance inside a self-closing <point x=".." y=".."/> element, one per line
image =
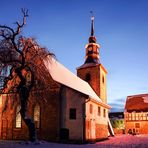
<point x="119" y="141"/>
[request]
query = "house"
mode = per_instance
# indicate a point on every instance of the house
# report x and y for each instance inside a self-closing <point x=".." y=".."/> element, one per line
<point x="136" y="114"/>
<point x="117" y="122"/>
<point x="70" y="107"/>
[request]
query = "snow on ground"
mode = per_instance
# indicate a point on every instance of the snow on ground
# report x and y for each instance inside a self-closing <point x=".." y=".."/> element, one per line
<point x="119" y="141"/>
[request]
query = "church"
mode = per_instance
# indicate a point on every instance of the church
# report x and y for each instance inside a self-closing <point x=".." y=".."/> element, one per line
<point x="73" y="107"/>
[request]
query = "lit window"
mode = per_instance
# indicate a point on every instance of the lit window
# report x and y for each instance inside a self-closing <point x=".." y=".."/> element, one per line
<point x="99" y="111"/>
<point x="18" y="121"/>
<point x="72" y="113"/>
<point x="104" y="112"/>
<point x="91" y="108"/>
<point x="37" y="116"/>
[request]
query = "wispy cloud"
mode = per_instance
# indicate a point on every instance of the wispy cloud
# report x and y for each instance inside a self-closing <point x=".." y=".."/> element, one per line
<point x="118" y="105"/>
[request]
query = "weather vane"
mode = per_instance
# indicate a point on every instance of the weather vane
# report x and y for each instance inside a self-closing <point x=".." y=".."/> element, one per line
<point x="92" y="15"/>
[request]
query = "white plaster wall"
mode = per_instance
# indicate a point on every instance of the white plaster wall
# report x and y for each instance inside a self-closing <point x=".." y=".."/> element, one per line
<point x="98" y="119"/>
<point x="73" y="99"/>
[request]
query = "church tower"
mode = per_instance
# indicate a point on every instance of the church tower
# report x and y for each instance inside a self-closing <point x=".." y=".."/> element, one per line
<point x="92" y="70"/>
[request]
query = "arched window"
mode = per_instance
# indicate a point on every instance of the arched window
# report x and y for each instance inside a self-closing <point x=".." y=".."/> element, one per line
<point x="18" y="118"/>
<point x="37" y="116"/>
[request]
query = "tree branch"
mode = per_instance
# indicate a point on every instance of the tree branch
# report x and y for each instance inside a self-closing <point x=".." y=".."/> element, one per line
<point x="6" y="27"/>
<point x="19" y="26"/>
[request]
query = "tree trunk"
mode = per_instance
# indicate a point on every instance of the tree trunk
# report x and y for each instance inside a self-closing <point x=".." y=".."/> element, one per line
<point x="24" y="95"/>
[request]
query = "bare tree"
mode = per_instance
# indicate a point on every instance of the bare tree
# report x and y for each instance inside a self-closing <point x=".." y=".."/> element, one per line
<point x="25" y="58"/>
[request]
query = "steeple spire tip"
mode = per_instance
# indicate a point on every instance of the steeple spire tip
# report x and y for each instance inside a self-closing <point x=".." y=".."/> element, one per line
<point x="92" y="23"/>
<point x="92" y="38"/>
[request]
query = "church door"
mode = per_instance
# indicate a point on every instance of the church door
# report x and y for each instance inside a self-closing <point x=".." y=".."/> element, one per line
<point x="4" y="129"/>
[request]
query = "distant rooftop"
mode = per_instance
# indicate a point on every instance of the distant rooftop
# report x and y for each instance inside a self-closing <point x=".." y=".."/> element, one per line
<point x="137" y="103"/>
<point x="119" y="115"/>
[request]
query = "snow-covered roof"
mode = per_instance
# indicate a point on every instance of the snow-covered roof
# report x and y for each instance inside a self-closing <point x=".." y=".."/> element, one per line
<point x="137" y="103"/>
<point x="62" y="75"/>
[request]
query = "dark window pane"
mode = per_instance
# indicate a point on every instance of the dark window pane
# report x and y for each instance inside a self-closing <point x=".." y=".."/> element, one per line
<point x="87" y="77"/>
<point x="99" y="111"/>
<point x="104" y="113"/>
<point x="72" y="113"/>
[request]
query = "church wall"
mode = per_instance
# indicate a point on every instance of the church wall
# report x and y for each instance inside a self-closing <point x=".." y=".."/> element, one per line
<point x="72" y="100"/>
<point x="50" y="116"/>
<point x="94" y="77"/>
<point x="103" y="84"/>
<point x="97" y="79"/>
<point x="96" y="121"/>
<point x="0" y="114"/>
<point x="49" y="103"/>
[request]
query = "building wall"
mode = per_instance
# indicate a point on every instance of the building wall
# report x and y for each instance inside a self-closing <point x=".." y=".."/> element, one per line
<point x="0" y="114"/>
<point x="6" y="123"/>
<point x="72" y="99"/>
<point x="97" y="79"/>
<point x="136" y="122"/>
<point x="50" y="110"/>
<point x="103" y="84"/>
<point x="96" y="122"/>
<point x="49" y="102"/>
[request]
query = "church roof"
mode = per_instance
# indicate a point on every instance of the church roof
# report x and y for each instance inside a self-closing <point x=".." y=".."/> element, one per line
<point x="137" y="103"/>
<point x="61" y="74"/>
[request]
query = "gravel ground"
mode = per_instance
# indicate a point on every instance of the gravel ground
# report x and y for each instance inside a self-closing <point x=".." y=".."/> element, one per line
<point x="119" y="141"/>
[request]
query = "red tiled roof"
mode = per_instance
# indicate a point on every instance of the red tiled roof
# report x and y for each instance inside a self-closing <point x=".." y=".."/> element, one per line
<point x="137" y="103"/>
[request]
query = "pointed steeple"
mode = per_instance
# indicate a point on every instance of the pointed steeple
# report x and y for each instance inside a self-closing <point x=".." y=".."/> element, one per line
<point x="92" y="70"/>
<point x="92" y="38"/>
<point x="92" y="48"/>
<point x="92" y="26"/>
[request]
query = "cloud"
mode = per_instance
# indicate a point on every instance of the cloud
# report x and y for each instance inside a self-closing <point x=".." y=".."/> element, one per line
<point x="117" y="110"/>
<point x="117" y="105"/>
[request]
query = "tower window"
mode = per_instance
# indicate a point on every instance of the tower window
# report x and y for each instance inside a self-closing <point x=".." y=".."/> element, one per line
<point x="103" y="79"/>
<point x="87" y="77"/>
<point x="37" y="116"/>
<point x="72" y="113"/>
<point x="18" y="119"/>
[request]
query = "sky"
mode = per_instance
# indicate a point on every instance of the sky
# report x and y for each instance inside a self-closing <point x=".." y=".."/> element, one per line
<point x="63" y="26"/>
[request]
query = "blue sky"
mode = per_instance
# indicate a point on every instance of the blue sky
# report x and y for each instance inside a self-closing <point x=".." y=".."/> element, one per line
<point x="121" y="28"/>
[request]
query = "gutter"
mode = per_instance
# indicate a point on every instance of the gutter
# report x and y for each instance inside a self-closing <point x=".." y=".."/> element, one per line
<point x="84" y="122"/>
